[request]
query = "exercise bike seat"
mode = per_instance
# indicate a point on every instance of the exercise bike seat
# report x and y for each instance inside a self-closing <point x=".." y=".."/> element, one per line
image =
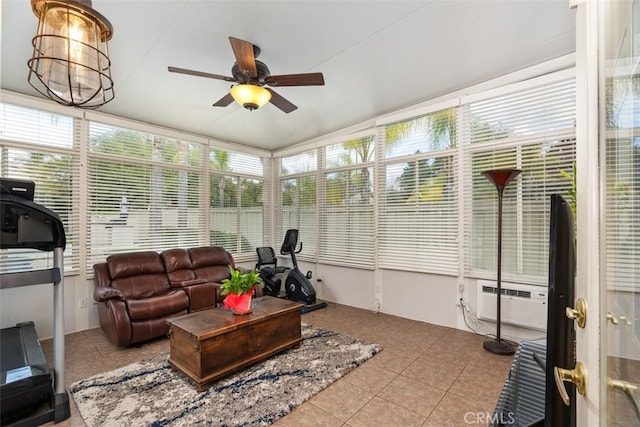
<point x="267" y="256"/>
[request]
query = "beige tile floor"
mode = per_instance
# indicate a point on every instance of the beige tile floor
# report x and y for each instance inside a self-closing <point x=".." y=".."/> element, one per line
<point x="426" y="375"/>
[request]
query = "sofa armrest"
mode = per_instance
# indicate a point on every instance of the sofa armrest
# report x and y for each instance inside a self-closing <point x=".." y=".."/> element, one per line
<point x="102" y="294"/>
<point x="219" y="297"/>
<point x="188" y="283"/>
<point x="201" y="296"/>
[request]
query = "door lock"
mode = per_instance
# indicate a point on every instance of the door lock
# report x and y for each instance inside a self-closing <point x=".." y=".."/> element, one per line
<point x="579" y="314"/>
<point x="577" y="376"/>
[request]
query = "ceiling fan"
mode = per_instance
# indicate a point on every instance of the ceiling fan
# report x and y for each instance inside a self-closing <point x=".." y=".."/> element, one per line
<point x="251" y="76"/>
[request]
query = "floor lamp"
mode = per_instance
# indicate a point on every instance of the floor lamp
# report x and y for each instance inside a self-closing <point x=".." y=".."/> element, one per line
<point x="500" y="178"/>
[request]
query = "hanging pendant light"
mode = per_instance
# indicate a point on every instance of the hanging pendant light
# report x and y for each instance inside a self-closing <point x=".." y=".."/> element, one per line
<point x="70" y="62"/>
<point x="250" y="96"/>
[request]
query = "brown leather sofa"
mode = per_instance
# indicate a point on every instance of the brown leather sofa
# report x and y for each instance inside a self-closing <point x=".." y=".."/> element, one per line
<point x="138" y="291"/>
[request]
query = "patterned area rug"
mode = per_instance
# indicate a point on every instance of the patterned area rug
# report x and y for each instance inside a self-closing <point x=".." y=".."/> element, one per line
<point x="151" y="393"/>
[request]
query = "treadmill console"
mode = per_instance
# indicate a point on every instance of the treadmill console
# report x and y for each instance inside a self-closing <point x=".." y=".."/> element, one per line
<point x="25" y="224"/>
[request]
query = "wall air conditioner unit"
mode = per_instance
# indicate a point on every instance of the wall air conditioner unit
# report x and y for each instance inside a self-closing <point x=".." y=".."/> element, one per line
<point x="522" y="305"/>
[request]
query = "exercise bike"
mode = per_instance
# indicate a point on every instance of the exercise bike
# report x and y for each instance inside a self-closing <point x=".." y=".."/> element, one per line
<point x="297" y="286"/>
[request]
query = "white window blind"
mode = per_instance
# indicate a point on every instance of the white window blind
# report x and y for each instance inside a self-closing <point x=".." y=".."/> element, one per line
<point x="425" y="134"/>
<point x="296" y="204"/>
<point x="532" y="130"/>
<point x="144" y="192"/>
<point x="236" y="201"/>
<point x="346" y="204"/>
<point x="42" y="147"/>
<point x="622" y="215"/>
<point x="299" y="163"/>
<point x="418" y="203"/>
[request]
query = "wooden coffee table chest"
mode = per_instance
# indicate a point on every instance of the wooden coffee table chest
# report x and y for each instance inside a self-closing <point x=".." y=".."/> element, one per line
<point x="209" y="344"/>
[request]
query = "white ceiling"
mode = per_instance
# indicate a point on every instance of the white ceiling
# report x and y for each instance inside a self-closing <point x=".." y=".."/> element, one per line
<point x="376" y="57"/>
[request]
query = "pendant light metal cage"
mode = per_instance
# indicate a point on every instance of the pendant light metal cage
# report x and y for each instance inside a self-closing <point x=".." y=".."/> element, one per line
<point x="70" y="62"/>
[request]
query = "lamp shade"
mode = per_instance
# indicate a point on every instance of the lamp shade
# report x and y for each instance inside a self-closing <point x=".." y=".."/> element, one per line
<point x="250" y="96"/>
<point x="501" y="177"/>
<point x="70" y="62"/>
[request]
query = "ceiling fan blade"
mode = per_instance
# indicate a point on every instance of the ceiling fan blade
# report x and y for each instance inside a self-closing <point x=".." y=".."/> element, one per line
<point x="224" y="101"/>
<point x="280" y="102"/>
<point x="200" y="74"/>
<point x="243" y="51"/>
<point x="308" y="79"/>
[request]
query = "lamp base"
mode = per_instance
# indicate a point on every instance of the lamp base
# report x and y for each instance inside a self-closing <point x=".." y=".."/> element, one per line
<point x="502" y="348"/>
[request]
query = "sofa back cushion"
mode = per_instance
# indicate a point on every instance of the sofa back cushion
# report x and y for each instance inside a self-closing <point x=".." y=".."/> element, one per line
<point x="177" y="265"/>
<point x="138" y="274"/>
<point x="211" y="263"/>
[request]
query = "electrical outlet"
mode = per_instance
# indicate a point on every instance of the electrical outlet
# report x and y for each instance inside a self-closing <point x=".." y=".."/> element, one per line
<point x="83" y="303"/>
<point x="461" y="288"/>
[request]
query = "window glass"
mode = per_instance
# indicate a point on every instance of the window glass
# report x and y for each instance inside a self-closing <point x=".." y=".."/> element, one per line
<point x="432" y="132"/>
<point x="299" y="163"/>
<point x="532" y="130"/>
<point x="232" y="161"/>
<point x="346" y="218"/>
<point x="297" y="203"/>
<point x="418" y="216"/>
<point x="236" y="214"/>
<point x="360" y="150"/>
<point x="535" y="111"/>
<point x="39" y="147"/>
<point x="144" y="193"/>
<point x="31" y="126"/>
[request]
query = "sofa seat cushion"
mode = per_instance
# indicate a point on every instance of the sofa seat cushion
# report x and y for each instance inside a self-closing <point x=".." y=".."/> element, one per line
<point x="158" y="306"/>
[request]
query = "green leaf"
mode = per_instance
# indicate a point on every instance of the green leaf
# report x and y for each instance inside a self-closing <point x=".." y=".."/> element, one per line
<point x="239" y="282"/>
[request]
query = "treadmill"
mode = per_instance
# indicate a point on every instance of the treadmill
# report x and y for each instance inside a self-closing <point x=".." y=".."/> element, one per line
<point x="30" y="393"/>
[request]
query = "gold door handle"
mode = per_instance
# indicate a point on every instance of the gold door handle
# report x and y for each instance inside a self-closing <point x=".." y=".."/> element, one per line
<point x="629" y="390"/>
<point x="611" y="318"/>
<point x="621" y="386"/>
<point x="579" y="314"/>
<point x="577" y="376"/>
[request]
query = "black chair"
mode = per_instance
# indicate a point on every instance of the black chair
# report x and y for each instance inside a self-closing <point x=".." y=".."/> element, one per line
<point x="267" y="266"/>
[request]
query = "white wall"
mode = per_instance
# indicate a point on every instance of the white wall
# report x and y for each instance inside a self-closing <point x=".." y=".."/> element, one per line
<point x="348" y="286"/>
<point x="35" y="303"/>
<point x="425" y="297"/>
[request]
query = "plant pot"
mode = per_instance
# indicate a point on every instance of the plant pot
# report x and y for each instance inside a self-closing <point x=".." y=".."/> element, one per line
<point x="239" y="304"/>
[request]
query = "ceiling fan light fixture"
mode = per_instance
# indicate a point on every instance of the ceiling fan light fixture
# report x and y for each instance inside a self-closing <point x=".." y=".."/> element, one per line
<point x="250" y="96"/>
<point x="70" y="62"/>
